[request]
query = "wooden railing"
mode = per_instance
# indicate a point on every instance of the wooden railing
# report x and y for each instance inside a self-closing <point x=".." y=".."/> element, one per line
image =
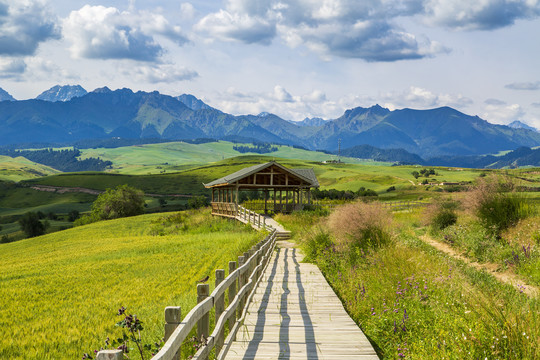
<point x="238" y="285"/>
<point x="224" y="209"/>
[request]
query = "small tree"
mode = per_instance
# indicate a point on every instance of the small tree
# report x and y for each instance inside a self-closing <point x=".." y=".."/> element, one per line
<point x="31" y="225"/>
<point x="198" y="202"/>
<point x="73" y="215"/>
<point x="122" y="201"/>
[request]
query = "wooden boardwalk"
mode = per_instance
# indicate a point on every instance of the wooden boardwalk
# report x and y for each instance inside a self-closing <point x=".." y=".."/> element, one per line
<point x="295" y="314"/>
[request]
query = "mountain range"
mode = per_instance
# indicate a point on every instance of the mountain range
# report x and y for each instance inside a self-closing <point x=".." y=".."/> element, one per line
<point x="68" y="116"/>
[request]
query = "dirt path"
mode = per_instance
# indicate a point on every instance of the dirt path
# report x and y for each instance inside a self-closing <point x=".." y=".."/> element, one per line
<point x="506" y="276"/>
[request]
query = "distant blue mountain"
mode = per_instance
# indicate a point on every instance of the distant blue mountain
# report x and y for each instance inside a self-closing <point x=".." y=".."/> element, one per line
<point x="62" y="93"/>
<point x="519" y="125"/>
<point x="193" y="103"/>
<point x="122" y="113"/>
<point x="5" y="96"/>
<point x="311" y="122"/>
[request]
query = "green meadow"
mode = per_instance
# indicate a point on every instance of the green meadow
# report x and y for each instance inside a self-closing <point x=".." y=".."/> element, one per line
<point x="19" y="168"/>
<point x="60" y="292"/>
<point x="174" y="156"/>
<point x="415" y="302"/>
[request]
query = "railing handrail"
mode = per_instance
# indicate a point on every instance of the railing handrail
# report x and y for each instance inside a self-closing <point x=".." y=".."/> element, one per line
<point x="174" y="343"/>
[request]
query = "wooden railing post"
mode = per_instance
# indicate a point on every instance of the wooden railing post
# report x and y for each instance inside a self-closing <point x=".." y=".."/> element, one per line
<point x="110" y="355"/>
<point x="203" y="325"/>
<point x="173" y="317"/>
<point x="241" y="282"/>
<point x="220" y="307"/>
<point x="232" y="294"/>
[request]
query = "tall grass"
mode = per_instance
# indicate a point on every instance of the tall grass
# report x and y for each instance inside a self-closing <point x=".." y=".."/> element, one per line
<point x="497" y="206"/>
<point x="415" y="303"/>
<point x="59" y="293"/>
<point x="360" y="225"/>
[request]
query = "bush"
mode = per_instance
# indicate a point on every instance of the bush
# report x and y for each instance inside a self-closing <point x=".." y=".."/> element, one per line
<point x="443" y="218"/>
<point x="197" y="202"/>
<point x="316" y="243"/>
<point x="360" y="225"/>
<point x="73" y="215"/>
<point x="496" y="205"/>
<point x="122" y="201"/>
<point x="31" y="225"/>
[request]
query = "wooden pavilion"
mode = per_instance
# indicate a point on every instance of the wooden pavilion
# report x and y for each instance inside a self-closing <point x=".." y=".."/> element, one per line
<point x="290" y="188"/>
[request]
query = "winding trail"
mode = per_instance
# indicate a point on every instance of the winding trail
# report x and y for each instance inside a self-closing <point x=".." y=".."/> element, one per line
<point x="506" y="276"/>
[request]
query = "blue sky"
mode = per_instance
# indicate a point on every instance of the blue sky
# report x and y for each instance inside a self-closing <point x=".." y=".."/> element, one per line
<point x="294" y="58"/>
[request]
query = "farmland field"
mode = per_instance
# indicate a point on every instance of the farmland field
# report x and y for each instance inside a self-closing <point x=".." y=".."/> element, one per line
<point x="60" y="292"/>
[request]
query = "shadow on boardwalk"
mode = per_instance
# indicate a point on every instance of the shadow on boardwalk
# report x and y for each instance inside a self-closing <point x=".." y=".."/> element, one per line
<point x="296" y="315"/>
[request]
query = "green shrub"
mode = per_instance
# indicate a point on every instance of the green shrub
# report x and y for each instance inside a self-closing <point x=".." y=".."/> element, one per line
<point x="316" y="243"/>
<point x="443" y="218"/>
<point x="31" y="225"/>
<point x="496" y="205"/>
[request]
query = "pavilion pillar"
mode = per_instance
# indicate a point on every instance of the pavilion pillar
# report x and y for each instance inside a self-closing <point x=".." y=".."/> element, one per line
<point x="266" y="202"/>
<point x="301" y="200"/>
<point x="274" y="200"/>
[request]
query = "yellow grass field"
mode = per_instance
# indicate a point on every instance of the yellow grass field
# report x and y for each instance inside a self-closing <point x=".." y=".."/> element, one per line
<point x="59" y="293"/>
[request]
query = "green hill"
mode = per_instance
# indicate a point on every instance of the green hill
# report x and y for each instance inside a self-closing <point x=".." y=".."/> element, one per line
<point x="20" y="168"/>
<point x="174" y="156"/>
<point x="60" y="292"/>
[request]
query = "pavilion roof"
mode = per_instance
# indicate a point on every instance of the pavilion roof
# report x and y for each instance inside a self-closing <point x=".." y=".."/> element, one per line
<point x="307" y="175"/>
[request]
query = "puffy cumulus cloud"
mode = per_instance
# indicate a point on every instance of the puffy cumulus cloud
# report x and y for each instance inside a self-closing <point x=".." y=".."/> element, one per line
<point x="12" y="68"/>
<point x="365" y="29"/>
<point x="344" y="28"/>
<point x="371" y="40"/>
<point x="163" y="73"/>
<point x="280" y="94"/>
<point x="417" y="97"/>
<point x="24" y="24"/>
<point x="237" y="26"/>
<point x="502" y="113"/>
<point x="187" y="11"/>
<point x="99" y="32"/>
<point x="42" y="69"/>
<point x="278" y="101"/>
<point x="524" y="86"/>
<point x="478" y="15"/>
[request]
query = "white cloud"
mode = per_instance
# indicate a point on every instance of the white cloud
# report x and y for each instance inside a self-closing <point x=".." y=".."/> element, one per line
<point x="524" y="86"/>
<point x="24" y="24"/>
<point x="237" y="26"/>
<point x="163" y="73"/>
<point x="278" y="101"/>
<point x="478" y="15"/>
<point x="99" y="32"/>
<point x="280" y="94"/>
<point x="187" y="11"/>
<point x="502" y="114"/>
<point x="344" y="28"/>
<point x="12" y="68"/>
<point x="419" y="98"/>
<point x="366" y="29"/>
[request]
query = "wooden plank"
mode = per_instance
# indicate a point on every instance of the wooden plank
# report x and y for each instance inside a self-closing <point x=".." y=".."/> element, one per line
<point x="295" y="314"/>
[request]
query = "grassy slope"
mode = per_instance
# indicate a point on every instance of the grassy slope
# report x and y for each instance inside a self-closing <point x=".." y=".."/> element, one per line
<point x="414" y="302"/>
<point x="59" y="292"/>
<point x="339" y="176"/>
<point x="154" y="158"/>
<point x="20" y="168"/>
